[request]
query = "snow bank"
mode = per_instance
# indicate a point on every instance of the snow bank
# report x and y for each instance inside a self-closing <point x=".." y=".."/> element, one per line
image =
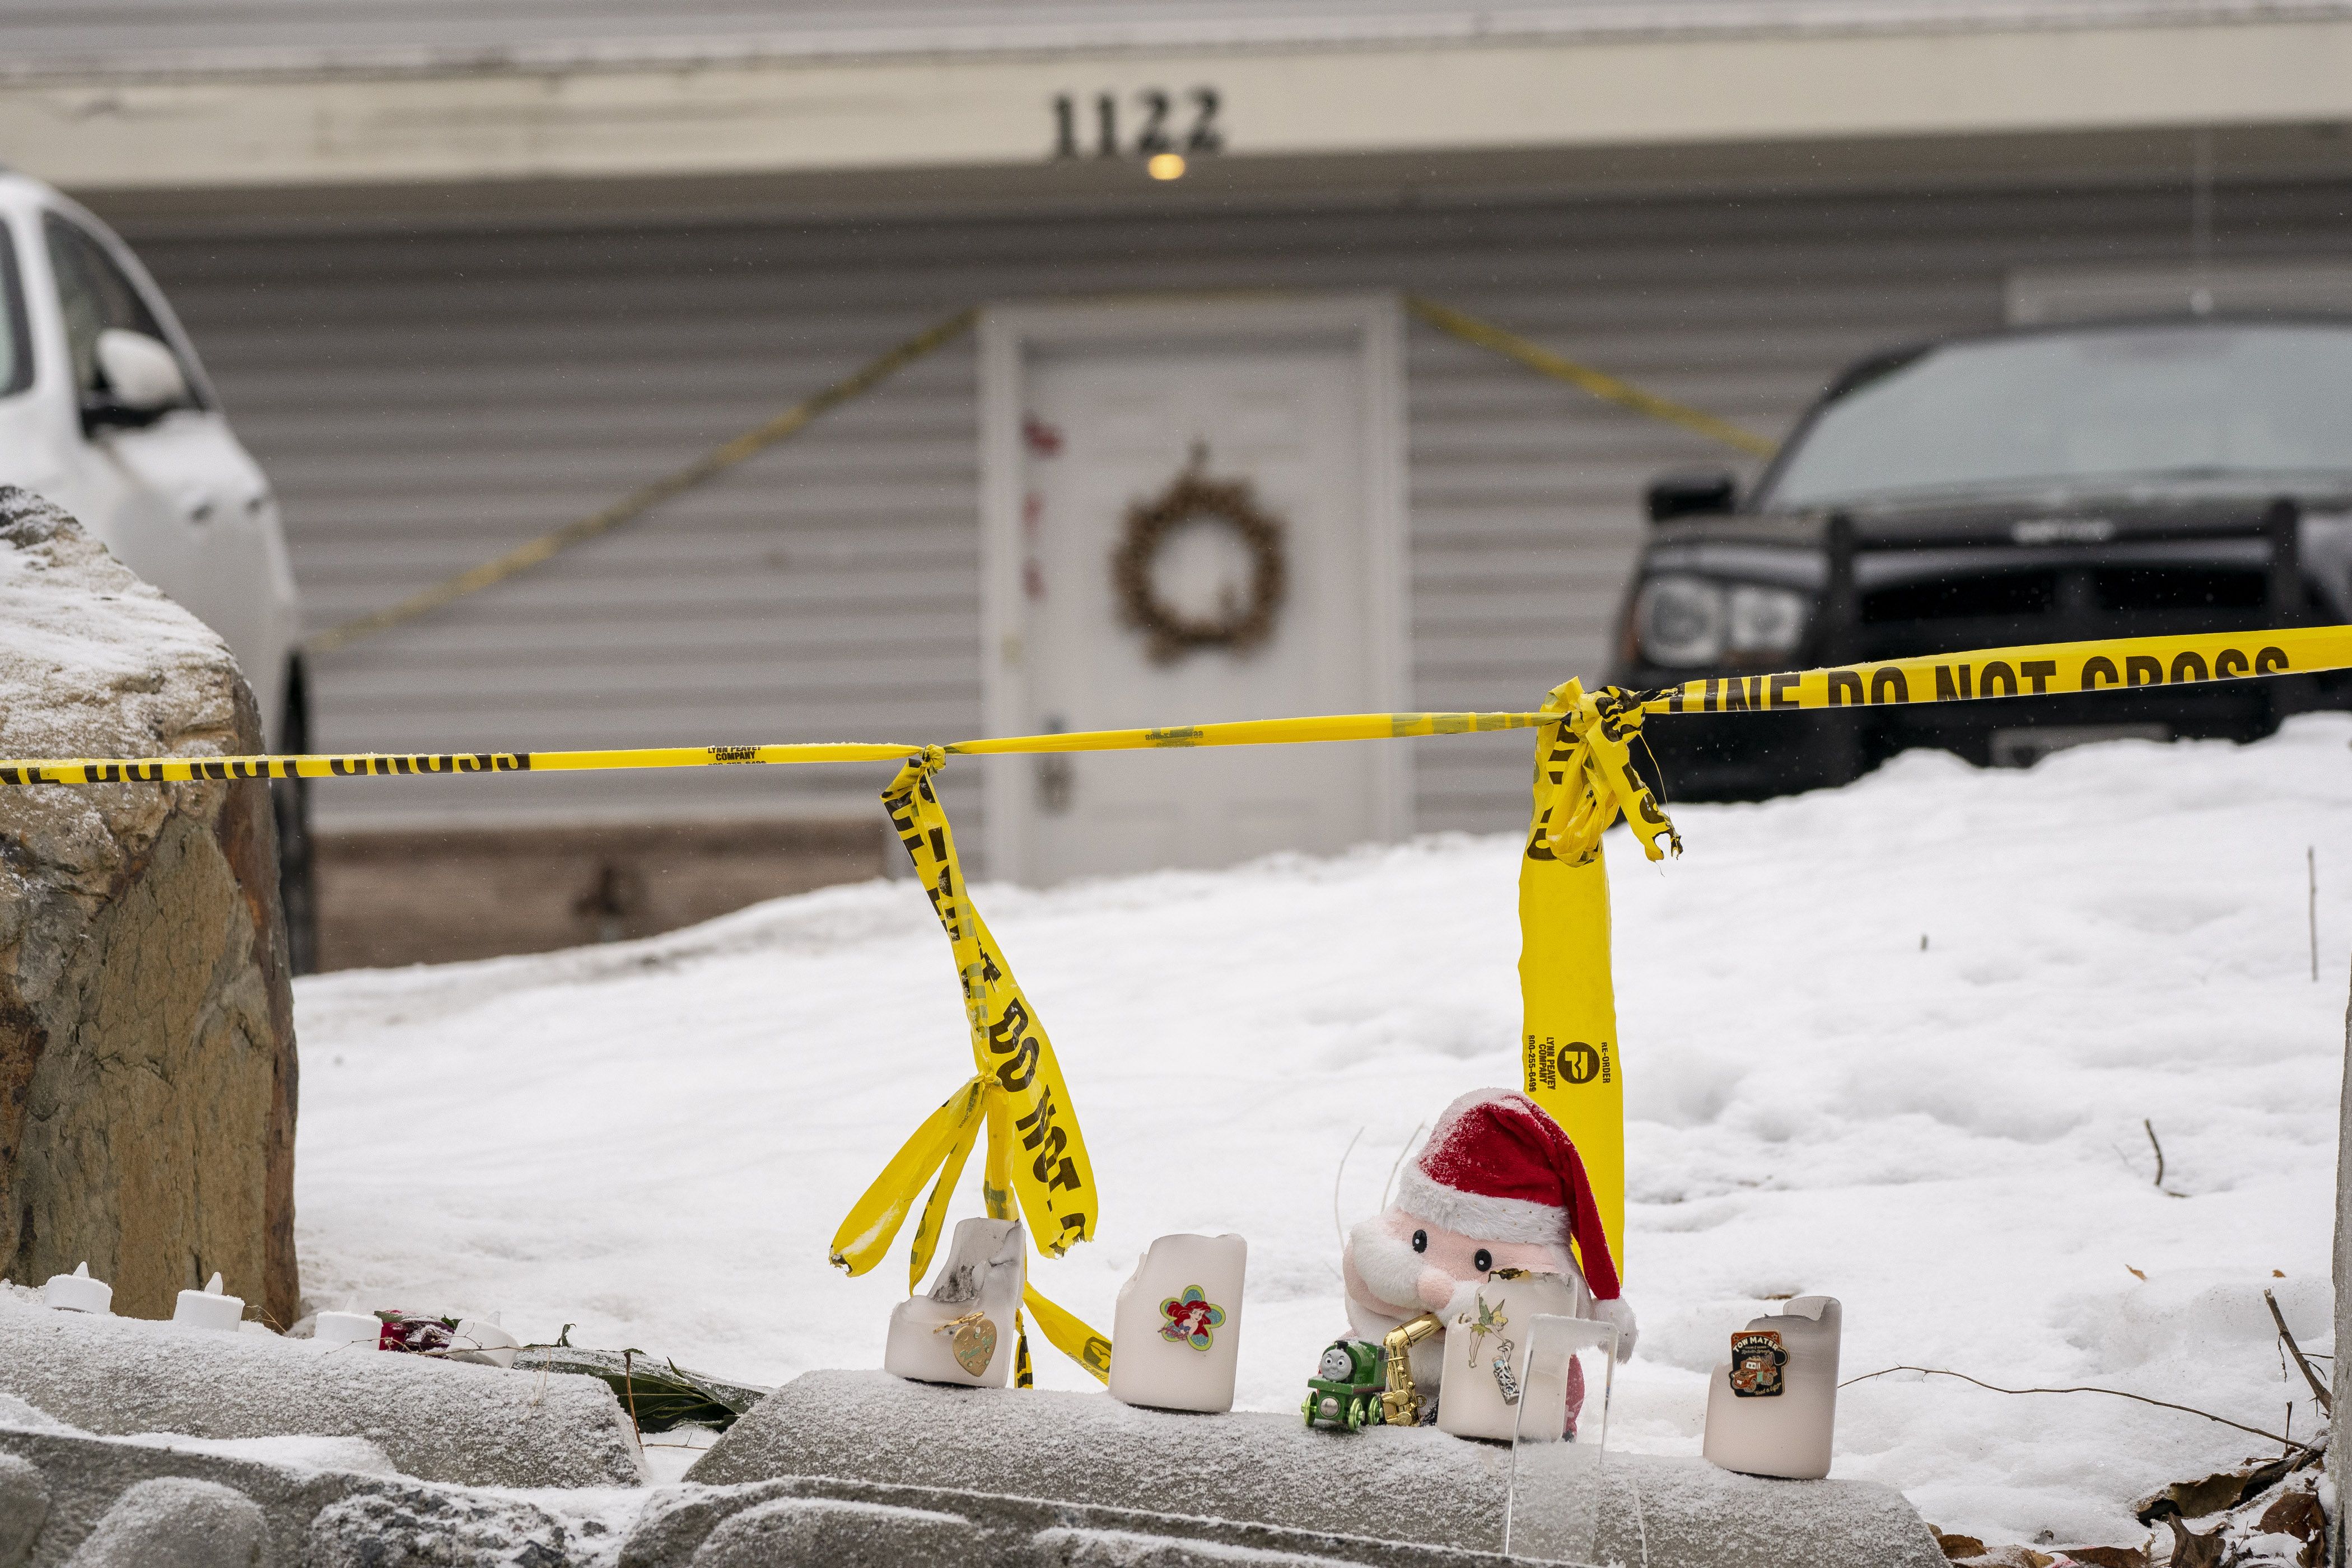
<point x="655" y="1141"/>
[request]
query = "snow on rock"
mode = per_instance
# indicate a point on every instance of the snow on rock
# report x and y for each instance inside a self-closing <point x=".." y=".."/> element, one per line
<point x="1406" y="1484"/>
<point x="24" y="1508"/>
<point x="464" y="1528"/>
<point x="1893" y="1043"/>
<point x="177" y="1521"/>
<point x="434" y="1420"/>
<point x="838" y="1534"/>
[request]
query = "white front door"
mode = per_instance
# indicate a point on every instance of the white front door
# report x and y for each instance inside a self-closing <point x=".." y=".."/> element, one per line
<point x="1288" y="413"/>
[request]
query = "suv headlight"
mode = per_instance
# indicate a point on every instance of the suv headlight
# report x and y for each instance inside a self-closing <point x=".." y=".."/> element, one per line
<point x="1685" y="621"/>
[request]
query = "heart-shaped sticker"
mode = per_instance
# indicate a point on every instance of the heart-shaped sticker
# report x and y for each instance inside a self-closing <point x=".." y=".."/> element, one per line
<point x="975" y="1345"/>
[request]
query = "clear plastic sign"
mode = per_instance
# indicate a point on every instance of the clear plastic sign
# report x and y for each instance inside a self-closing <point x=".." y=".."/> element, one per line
<point x="1552" y="1513"/>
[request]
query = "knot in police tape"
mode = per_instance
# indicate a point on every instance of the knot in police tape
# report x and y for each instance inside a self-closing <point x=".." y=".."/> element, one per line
<point x="1037" y="1163"/>
<point x="1585" y="778"/>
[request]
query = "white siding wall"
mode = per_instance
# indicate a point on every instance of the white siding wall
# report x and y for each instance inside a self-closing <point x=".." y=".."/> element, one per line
<point x="423" y="400"/>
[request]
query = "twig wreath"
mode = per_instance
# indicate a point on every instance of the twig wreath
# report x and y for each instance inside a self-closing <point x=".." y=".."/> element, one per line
<point x="1240" y="623"/>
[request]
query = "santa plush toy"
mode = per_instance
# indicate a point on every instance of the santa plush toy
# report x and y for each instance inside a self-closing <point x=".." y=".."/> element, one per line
<point x="1498" y="1186"/>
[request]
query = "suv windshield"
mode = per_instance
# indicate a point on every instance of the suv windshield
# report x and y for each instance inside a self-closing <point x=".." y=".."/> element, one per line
<point x="2097" y="409"/>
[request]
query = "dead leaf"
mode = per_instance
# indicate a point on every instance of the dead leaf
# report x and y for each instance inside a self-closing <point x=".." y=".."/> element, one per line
<point x="2213" y="1494"/>
<point x="2105" y="1556"/>
<point x="2297" y="1513"/>
<point x="2135" y="1273"/>
<point x="2191" y="1550"/>
<point x="1957" y="1546"/>
<point x="2278" y="1273"/>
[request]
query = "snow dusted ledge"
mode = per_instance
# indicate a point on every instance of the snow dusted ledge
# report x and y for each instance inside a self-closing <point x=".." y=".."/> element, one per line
<point x="1411" y="1484"/>
<point x="434" y="1420"/>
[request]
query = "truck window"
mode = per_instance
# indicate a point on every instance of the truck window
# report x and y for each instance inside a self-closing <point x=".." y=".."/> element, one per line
<point x="15" y="339"/>
<point x="94" y="294"/>
<point x="2263" y="406"/>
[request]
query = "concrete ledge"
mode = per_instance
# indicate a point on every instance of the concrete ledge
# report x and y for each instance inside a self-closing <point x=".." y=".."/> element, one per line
<point x="1416" y="1485"/>
<point x="436" y="1420"/>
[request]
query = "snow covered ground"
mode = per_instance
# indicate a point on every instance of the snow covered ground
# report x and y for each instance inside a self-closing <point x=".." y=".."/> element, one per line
<point x="1893" y="1043"/>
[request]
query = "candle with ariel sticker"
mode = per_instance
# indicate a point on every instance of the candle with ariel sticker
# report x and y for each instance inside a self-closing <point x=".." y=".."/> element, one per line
<point x="1177" y="1324"/>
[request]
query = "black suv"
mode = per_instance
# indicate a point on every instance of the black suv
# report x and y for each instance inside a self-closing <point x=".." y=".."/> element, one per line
<point x="2050" y="485"/>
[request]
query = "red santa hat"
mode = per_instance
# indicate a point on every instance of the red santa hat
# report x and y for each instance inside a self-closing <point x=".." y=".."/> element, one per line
<point x="1498" y="1167"/>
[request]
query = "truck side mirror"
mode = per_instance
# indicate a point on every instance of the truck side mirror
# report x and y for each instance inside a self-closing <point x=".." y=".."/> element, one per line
<point x="1691" y="494"/>
<point x="142" y="380"/>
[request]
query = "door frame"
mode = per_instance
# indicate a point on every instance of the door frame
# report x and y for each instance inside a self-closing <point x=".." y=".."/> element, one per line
<point x="1371" y="324"/>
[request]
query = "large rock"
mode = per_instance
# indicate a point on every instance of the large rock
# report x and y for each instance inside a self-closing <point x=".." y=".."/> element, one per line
<point x="147" y="1072"/>
<point x="436" y="1420"/>
<point x="1412" y="1485"/>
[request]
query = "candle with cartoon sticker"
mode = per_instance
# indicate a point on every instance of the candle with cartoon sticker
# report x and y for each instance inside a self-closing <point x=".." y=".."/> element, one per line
<point x="962" y="1330"/>
<point x="1177" y="1324"/>
<point x="1485" y="1348"/>
<point x="1772" y="1407"/>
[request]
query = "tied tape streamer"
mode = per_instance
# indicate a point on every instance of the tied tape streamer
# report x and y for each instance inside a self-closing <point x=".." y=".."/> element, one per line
<point x="1583" y="782"/>
<point x="1037" y="1163"/>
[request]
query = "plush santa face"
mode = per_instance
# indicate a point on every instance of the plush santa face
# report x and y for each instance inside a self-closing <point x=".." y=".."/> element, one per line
<point x="1400" y="1264"/>
<point x="1498" y="1186"/>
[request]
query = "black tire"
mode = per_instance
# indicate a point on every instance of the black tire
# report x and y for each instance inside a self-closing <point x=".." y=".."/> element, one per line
<point x="290" y="801"/>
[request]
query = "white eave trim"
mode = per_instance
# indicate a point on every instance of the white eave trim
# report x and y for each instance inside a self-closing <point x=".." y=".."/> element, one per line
<point x="488" y="122"/>
<point x="997" y="34"/>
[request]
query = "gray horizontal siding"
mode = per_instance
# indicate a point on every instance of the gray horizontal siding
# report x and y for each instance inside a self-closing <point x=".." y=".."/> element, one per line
<point x="425" y="400"/>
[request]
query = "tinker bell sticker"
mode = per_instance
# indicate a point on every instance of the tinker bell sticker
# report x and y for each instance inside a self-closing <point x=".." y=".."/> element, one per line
<point x="1191" y="1318"/>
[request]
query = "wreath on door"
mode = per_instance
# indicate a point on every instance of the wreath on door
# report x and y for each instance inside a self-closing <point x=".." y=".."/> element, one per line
<point x="1242" y="621"/>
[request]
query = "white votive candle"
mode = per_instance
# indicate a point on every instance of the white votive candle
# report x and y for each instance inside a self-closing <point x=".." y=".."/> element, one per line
<point x="357" y="1331"/>
<point x="209" y="1308"/>
<point x="1772" y="1409"/>
<point x="78" y="1292"/>
<point x="1177" y="1324"/>
<point x="479" y="1339"/>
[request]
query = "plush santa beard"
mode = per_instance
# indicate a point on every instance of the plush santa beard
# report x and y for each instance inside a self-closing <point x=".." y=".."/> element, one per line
<point x="1388" y="1266"/>
<point x="1385" y="1264"/>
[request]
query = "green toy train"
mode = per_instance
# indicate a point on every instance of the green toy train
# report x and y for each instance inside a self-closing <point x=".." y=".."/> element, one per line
<point x="1360" y="1383"/>
<point x="1345" y="1391"/>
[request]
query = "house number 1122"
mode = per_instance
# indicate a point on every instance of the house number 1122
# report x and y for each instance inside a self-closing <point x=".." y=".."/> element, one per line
<point x="1155" y="125"/>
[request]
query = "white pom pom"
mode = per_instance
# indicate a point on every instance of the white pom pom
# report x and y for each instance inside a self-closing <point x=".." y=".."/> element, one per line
<point x="1618" y="1311"/>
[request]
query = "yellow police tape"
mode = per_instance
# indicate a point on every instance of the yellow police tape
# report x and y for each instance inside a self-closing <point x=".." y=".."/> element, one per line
<point x="2039" y="670"/>
<point x="378" y="765"/>
<point x="2043" y="669"/>
<point x="718" y="460"/>
<point x="728" y="455"/>
<point x="1599" y="382"/>
<point x="1584" y="781"/>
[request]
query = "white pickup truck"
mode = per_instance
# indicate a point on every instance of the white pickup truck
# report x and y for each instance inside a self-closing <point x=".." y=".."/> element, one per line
<point x="105" y="410"/>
